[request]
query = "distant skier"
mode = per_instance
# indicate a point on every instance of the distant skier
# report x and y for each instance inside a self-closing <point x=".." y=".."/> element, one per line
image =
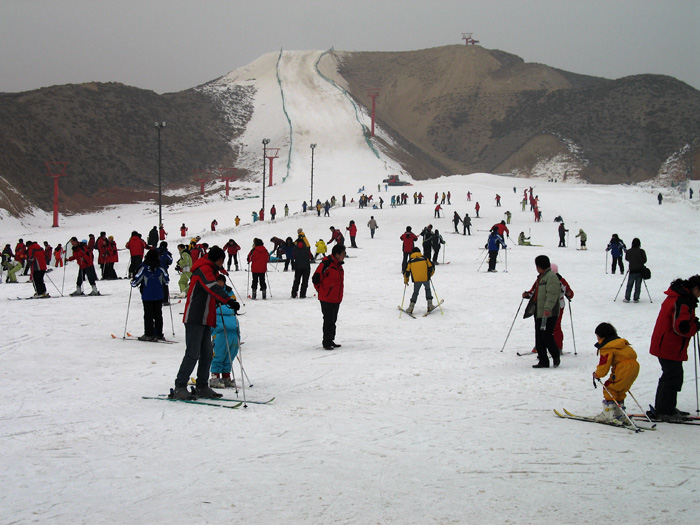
<point x="494" y="242"/>
<point x="617" y="248"/>
<point x="583" y="238"/>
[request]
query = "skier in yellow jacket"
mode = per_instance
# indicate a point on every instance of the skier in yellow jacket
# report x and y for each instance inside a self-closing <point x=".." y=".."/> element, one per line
<point x="420" y="269"/>
<point x="618" y="358"/>
<point x="321" y="249"/>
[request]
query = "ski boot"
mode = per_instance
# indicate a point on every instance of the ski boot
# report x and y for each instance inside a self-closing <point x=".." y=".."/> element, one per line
<point x="431" y="306"/>
<point x="253" y="295"/>
<point x="181" y="392"/>
<point x="206" y="392"/>
<point x="264" y="294"/>
<point x="410" y="308"/>
<point x="216" y="381"/>
<point x="608" y="413"/>
<point x="78" y="291"/>
<point x="94" y="290"/>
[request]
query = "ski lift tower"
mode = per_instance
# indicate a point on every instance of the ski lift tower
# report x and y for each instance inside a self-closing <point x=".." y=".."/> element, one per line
<point x="468" y="40"/>
<point x="56" y="170"/>
<point x="227" y="174"/>
<point x="202" y="176"/>
<point x="373" y="94"/>
<point x="271" y="154"/>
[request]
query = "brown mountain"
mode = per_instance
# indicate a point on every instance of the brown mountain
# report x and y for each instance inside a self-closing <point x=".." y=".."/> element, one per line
<point x="453" y="109"/>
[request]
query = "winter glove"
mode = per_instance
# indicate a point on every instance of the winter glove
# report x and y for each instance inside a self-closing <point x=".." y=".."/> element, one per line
<point x="546" y="313"/>
<point x="233" y="305"/>
<point x="527" y="295"/>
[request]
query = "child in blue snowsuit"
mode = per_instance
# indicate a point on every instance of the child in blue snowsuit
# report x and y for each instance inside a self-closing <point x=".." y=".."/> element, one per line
<point x="225" y="336"/>
<point x="151" y="279"/>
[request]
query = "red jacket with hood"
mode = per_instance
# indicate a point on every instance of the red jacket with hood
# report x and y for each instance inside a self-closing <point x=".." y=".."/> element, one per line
<point x="676" y="324"/>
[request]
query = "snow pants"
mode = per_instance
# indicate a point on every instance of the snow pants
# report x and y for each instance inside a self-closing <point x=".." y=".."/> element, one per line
<point x="153" y="318"/>
<point x="544" y="340"/>
<point x="301" y="282"/>
<point x="416" y="291"/>
<point x="621" y="379"/>
<point x="330" y="316"/>
<point x="259" y="279"/>
<point x="616" y="261"/>
<point x="184" y="281"/>
<point x="198" y="349"/>
<point x="12" y="271"/>
<point x="86" y="274"/>
<point x="222" y="361"/>
<point x="38" y="278"/>
<point x="558" y="334"/>
<point x="670" y="383"/>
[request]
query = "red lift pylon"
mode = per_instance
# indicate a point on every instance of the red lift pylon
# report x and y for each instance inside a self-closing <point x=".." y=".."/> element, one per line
<point x="373" y="94"/>
<point x="271" y="154"/>
<point x="227" y="174"/>
<point x="202" y="176"/>
<point x="56" y="170"/>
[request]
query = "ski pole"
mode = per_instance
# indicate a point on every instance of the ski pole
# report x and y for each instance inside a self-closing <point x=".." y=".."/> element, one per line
<point x="405" y="285"/>
<point x="571" y="318"/>
<point x="482" y="262"/>
<point x="635" y="427"/>
<point x="247" y="285"/>
<point x="606" y="263"/>
<point x="267" y="278"/>
<point x="54" y="285"/>
<point x="645" y="286"/>
<point x="505" y="251"/>
<point x="437" y="298"/>
<point x="228" y="348"/>
<point x="513" y="323"/>
<point x="640" y="406"/>
<point x="65" y="264"/>
<point x="131" y="289"/>
<point x="623" y="282"/>
<point x="235" y="290"/>
<point x="172" y="322"/>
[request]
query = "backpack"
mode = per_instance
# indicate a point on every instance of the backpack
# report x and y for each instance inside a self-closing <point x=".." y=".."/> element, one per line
<point x="646" y="273"/>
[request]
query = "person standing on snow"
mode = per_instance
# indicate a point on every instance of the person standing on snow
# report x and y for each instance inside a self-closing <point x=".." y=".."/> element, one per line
<point x="437" y="242"/>
<point x="620" y="359"/>
<point x="675" y="326"/>
<point x="111" y="258"/>
<point x="493" y="244"/>
<point x="352" y="230"/>
<point x="36" y="258"/>
<point x="547" y="291"/>
<point x="226" y="336"/>
<point x="420" y="270"/>
<point x="232" y="248"/>
<point x="637" y="258"/>
<point x="336" y="237"/>
<point x="408" y="238"/>
<point x="456" y="219"/>
<point x="152" y="240"/>
<point x="86" y="269"/>
<point x="302" y="265"/>
<point x="200" y="318"/>
<point x="183" y="230"/>
<point x="584" y="238"/>
<point x="184" y="266"/>
<point x="329" y="280"/>
<point x="258" y="259"/>
<point x="467" y="222"/>
<point x="562" y="235"/>
<point x="372" y="225"/>
<point x="616" y="248"/>
<point x="136" y="247"/>
<point x="151" y="280"/>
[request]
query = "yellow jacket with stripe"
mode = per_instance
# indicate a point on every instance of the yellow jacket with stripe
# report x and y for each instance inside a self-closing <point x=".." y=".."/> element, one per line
<point x="418" y="268"/>
<point x="614" y="353"/>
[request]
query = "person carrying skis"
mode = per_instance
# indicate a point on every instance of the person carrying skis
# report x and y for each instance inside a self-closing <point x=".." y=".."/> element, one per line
<point x="328" y="280"/>
<point x="258" y="259"/>
<point x="616" y="248"/>
<point x="583" y="238"/>
<point x="225" y="336"/>
<point x="420" y="270"/>
<point x="151" y="280"/>
<point x="619" y="359"/>
<point x="199" y="318"/>
<point x="37" y="260"/>
<point x="675" y="326"/>
<point x="493" y="244"/>
<point x="86" y="268"/>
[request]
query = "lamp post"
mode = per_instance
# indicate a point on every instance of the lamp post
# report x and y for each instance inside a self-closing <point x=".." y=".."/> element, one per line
<point x="159" y="126"/>
<point x="313" y="147"/>
<point x="265" y="142"/>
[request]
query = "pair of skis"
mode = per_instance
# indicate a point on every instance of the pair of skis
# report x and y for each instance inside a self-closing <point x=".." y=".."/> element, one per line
<point x="221" y="402"/>
<point x="426" y="314"/>
<point x="635" y="428"/>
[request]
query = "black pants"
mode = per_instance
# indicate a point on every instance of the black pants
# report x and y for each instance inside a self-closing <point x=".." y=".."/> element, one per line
<point x="109" y="273"/>
<point x="153" y="318"/>
<point x="199" y="348"/>
<point x="544" y="340"/>
<point x="259" y="278"/>
<point x="38" y="278"/>
<point x="404" y="263"/>
<point x="233" y="256"/>
<point x="493" y="257"/>
<point x="330" y="316"/>
<point x="670" y="383"/>
<point x="427" y="251"/>
<point x="618" y="260"/>
<point x="86" y="273"/>
<point x="301" y="276"/>
<point x="134" y="264"/>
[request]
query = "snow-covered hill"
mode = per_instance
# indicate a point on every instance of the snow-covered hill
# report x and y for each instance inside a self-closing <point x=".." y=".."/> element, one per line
<point x="412" y="421"/>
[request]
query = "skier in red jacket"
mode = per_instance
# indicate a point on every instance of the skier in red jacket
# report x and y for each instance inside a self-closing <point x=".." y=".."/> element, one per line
<point x="37" y="259"/>
<point x="675" y="327"/>
<point x="86" y="270"/>
<point x="408" y="238"/>
<point x="258" y="259"/>
<point x="328" y="280"/>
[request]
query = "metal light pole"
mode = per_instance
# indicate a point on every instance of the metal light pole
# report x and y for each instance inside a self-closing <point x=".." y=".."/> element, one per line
<point x="313" y="147"/>
<point x="159" y="126"/>
<point x="265" y="143"/>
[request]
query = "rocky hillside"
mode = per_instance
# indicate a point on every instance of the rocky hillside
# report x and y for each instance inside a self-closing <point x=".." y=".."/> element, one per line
<point x="470" y="109"/>
<point x="453" y="109"/>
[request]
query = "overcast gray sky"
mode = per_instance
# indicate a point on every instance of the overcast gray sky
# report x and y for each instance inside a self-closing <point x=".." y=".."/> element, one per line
<point x="171" y="45"/>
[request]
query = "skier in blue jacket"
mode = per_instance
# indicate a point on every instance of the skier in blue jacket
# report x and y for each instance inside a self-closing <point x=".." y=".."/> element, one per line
<point x="617" y="249"/>
<point x="151" y="278"/>
<point x="494" y="242"/>
<point x="226" y="337"/>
